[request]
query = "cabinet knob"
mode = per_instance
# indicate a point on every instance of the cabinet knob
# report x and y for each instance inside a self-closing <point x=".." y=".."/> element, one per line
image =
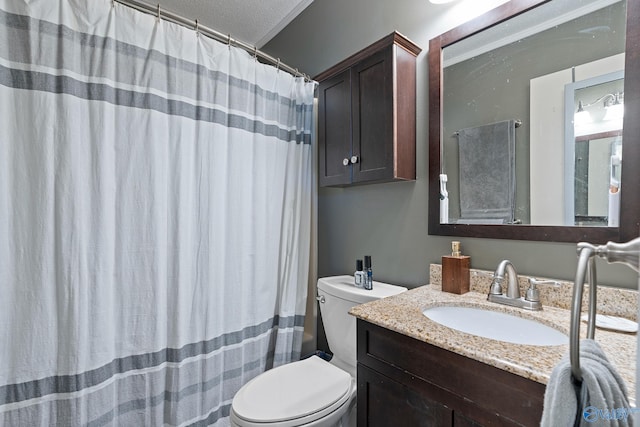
<point x="354" y="159"/>
<point x="345" y="162"/>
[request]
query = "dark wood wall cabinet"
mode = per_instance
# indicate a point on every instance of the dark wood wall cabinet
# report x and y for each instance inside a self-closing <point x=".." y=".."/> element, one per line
<point x="406" y="382"/>
<point x="367" y="115"/>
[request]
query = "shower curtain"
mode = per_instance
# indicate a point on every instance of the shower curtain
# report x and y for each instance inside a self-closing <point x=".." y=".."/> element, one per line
<point x="155" y="194"/>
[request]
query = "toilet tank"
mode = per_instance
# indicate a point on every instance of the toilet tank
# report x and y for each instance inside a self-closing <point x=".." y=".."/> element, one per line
<point x="337" y="294"/>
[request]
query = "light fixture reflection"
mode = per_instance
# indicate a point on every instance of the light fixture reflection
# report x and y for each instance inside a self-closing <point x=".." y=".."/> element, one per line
<point x="582" y="116"/>
<point x="609" y="107"/>
<point x="614" y="107"/>
<point x="614" y="112"/>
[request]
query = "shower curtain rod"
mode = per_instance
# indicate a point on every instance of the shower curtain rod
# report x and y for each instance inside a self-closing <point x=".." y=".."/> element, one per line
<point x="216" y="35"/>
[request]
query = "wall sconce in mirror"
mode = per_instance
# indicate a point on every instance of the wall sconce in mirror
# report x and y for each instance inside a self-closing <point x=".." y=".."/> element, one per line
<point x="615" y="107"/>
<point x="608" y="107"/>
<point x="582" y="116"/>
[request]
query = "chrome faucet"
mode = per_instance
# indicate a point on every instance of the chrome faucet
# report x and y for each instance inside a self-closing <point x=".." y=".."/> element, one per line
<point x="506" y="269"/>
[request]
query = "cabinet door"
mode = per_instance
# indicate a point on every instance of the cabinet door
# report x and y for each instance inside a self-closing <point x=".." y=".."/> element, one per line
<point x="334" y="129"/>
<point x="476" y="393"/>
<point x="372" y="117"/>
<point x="460" y="420"/>
<point x="384" y="402"/>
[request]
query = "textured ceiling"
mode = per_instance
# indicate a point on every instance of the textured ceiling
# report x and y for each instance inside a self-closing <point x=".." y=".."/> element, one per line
<point x="254" y="22"/>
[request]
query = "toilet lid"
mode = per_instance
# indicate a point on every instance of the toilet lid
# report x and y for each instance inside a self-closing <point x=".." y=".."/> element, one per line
<point x="292" y="391"/>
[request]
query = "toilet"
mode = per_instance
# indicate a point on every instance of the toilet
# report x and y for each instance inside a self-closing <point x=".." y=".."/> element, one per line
<point x="312" y="391"/>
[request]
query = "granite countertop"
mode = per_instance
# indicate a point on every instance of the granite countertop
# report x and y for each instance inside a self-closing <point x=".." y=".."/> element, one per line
<point x="403" y="313"/>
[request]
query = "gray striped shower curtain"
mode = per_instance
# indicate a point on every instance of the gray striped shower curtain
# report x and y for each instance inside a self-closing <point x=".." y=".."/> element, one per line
<point x="155" y="204"/>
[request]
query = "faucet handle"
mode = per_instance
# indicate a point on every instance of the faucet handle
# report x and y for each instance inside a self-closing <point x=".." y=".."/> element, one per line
<point x="533" y="282"/>
<point x="533" y="293"/>
<point x="496" y="288"/>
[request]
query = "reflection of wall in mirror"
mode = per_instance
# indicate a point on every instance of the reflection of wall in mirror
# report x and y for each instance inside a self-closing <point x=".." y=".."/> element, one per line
<point x="598" y="177"/>
<point x="547" y="162"/>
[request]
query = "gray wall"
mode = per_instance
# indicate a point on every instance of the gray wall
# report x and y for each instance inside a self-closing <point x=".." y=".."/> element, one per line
<point x="389" y="221"/>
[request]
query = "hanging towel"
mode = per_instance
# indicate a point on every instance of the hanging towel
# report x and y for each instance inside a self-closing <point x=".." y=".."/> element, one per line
<point x="487" y="171"/>
<point x="607" y="402"/>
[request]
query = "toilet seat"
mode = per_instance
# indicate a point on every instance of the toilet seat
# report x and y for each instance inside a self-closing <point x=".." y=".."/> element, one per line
<point x="294" y="394"/>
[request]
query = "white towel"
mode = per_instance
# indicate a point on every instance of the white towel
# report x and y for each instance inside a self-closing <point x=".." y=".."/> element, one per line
<point x="607" y="392"/>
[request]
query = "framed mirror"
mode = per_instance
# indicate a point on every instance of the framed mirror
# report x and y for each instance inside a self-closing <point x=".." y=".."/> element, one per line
<point x="505" y="77"/>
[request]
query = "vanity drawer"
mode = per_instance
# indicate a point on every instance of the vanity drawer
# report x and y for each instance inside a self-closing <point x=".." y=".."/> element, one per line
<point x="474" y="389"/>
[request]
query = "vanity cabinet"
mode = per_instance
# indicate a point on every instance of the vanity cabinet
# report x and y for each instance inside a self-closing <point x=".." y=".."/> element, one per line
<point x="367" y="115"/>
<point x="404" y="381"/>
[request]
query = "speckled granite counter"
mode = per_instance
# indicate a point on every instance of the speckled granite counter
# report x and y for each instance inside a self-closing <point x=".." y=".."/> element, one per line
<point x="403" y="313"/>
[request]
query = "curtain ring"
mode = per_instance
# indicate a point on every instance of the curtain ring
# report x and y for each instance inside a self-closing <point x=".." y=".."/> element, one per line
<point x="229" y="40"/>
<point x="197" y="28"/>
<point x="278" y="65"/>
<point x="255" y="53"/>
<point x="159" y="17"/>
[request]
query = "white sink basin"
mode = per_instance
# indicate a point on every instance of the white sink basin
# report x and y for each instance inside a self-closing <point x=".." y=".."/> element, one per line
<point x="496" y="325"/>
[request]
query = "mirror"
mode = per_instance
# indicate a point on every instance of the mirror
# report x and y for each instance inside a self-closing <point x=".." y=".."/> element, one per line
<point x="484" y="73"/>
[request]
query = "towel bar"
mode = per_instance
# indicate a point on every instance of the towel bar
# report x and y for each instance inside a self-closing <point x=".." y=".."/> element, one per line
<point x="517" y="124"/>
<point x="586" y="267"/>
<point x="586" y="264"/>
<point x="624" y="253"/>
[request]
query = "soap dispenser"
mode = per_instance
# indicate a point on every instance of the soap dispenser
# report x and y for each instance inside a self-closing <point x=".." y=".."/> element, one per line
<point x="456" y="274"/>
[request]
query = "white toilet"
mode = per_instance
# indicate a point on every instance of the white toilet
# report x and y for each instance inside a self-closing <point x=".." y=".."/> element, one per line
<point x="313" y="392"/>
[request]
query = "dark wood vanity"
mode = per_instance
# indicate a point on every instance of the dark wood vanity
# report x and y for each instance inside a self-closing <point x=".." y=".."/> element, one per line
<point x="406" y="382"/>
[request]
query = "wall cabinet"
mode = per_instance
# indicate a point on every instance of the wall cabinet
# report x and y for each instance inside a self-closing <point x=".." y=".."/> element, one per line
<point x="403" y="381"/>
<point x="367" y="115"/>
